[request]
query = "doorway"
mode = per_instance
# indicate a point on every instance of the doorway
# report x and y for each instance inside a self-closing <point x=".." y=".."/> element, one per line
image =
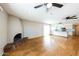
<point x="76" y="27"/>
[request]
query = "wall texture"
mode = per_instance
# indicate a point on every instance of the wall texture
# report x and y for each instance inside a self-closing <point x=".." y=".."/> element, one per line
<point x="32" y="29"/>
<point x="14" y="27"/>
<point x="3" y="30"/>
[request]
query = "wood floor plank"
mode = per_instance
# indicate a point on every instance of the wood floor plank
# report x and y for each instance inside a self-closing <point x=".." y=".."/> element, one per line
<point x="57" y="46"/>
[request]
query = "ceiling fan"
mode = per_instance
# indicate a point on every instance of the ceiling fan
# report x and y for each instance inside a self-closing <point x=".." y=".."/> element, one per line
<point x="71" y="17"/>
<point x="49" y="5"/>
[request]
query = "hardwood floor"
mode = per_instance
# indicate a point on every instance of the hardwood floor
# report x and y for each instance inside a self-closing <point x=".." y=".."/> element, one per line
<point x="49" y="46"/>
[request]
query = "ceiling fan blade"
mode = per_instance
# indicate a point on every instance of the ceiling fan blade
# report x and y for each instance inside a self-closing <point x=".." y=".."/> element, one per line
<point x="72" y="17"/>
<point x="57" y="5"/>
<point x="38" y="6"/>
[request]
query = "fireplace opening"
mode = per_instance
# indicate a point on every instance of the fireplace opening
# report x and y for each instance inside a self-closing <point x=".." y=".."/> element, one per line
<point x="17" y="37"/>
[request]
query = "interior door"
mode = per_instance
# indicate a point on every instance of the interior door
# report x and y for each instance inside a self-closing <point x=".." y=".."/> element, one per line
<point x="76" y="30"/>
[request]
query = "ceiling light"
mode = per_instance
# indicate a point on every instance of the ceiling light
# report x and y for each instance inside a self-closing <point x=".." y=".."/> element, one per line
<point x="49" y="5"/>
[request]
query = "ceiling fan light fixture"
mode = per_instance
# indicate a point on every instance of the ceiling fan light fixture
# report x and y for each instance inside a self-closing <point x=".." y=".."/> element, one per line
<point x="49" y="5"/>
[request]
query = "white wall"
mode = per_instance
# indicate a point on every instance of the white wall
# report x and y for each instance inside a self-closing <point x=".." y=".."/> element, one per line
<point x="32" y="29"/>
<point x="3" y="30"/>
<point x="14" y="27"/>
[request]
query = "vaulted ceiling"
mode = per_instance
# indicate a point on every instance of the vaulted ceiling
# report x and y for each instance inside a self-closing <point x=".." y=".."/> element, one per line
<point x="28" y="12"/>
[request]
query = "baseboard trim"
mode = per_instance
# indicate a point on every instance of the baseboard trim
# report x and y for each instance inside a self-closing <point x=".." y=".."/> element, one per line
<point x="36" y="36"/>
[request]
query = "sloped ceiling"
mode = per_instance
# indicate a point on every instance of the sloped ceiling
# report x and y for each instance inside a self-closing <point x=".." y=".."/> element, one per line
<point x="28" y="12"/>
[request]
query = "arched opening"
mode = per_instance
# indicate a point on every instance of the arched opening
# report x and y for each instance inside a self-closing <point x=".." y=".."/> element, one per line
<point x="17" y="37"/>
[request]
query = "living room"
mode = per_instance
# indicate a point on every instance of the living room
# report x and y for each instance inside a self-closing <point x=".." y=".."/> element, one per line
<point x="39" y="29"/>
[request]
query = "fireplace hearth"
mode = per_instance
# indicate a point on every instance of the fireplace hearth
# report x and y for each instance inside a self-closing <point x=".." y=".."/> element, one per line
<point x="17" y="37"/>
